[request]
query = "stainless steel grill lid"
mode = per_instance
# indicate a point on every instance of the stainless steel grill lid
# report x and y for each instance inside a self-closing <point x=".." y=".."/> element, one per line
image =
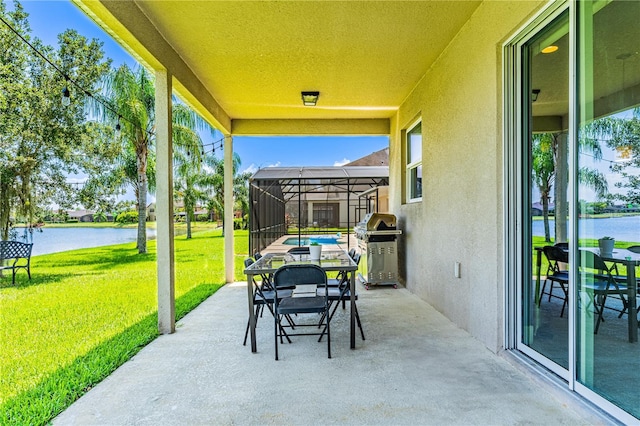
<point x="377" y="224"/>
<point x="380" y="222"/>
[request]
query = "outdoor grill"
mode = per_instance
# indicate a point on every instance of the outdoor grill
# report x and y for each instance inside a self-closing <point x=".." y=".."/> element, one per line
<point x="377" y="236"/>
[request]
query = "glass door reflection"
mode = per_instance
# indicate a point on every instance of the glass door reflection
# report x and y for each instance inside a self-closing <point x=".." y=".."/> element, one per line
<point x="608" y="170"/>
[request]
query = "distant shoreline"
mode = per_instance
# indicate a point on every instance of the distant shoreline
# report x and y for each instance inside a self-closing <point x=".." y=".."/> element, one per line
<point x="150" y="225"/>
<point x="592" y="216"/>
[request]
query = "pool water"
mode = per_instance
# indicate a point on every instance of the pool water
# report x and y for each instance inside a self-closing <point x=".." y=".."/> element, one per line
<point x="306" y="241"/>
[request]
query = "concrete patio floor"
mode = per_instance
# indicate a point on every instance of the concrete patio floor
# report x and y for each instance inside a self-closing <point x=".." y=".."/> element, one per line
<point x="415" y="367"/>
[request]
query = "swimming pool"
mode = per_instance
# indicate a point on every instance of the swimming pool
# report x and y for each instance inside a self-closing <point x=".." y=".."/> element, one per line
<point x="305" y="241"/>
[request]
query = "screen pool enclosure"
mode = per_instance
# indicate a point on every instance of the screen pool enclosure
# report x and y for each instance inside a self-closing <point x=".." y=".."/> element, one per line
<point x="297" y="200"/>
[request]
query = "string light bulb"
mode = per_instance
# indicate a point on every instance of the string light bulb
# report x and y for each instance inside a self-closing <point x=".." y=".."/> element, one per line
<point x="118" y="125"/>
<point x="66" y="95"/>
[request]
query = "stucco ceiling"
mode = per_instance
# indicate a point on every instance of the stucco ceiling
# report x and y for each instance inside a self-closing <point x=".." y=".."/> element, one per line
<point x="255" y="57"/>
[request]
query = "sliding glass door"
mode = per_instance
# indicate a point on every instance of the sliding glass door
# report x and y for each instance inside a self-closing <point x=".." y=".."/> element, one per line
<point x="545" y="119"/>
<point x="574" y="175"/>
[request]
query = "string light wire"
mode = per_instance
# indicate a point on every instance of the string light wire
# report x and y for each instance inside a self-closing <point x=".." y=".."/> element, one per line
<point x="67" y="95"/>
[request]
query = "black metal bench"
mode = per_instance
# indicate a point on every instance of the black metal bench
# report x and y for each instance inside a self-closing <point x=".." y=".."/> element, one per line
<point x="19" y="253"/>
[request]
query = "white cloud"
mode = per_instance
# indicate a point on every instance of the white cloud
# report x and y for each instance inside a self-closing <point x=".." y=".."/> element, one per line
<point x="341" y="162"/>
<point x="253" y="168"/>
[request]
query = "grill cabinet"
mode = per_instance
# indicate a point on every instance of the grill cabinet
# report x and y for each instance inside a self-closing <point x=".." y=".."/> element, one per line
<point x="377" y="237"/>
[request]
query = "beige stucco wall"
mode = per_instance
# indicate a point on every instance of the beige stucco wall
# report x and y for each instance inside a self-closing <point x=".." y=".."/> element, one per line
<point x="460" y="218"/>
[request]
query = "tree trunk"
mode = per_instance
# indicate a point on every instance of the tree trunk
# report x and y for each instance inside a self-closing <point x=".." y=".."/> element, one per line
<point x="5" y="213"/>
<point x="561" y="187"/>
<point x="188" y="221"/>
<point x="545" y="215"/>
<point x="141" y="155"/>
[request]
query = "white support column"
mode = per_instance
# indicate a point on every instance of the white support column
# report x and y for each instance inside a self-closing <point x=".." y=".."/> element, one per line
<point x="228" y="210"/>
<point x="164" y="205"/>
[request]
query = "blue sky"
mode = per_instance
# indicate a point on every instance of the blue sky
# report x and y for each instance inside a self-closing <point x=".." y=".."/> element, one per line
<point x="50" y="18"/>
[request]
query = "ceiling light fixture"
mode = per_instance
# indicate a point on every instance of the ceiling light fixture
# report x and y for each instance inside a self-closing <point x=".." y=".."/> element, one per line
<point x="310" y="98"/>
<point x="534" y="95"/>
<point x="550" y="49"/>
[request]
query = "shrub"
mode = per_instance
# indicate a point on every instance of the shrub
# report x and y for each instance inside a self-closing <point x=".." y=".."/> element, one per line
<point x="127" y="217"/>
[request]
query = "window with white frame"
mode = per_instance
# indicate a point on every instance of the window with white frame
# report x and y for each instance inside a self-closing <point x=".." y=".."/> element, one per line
<point x="414" y="162"/>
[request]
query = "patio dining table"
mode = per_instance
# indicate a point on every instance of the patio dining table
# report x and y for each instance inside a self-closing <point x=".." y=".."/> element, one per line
<point x="330" y="261"/>
<point x="620" y="256"/>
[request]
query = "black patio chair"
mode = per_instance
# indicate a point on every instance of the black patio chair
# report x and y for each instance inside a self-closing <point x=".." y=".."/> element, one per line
<point x="556" y="257"/>
<point x="342" y="293"/>
<point x="261" y="298"/>
<point x="266" y="278"/>
<point x="290" y="276"/>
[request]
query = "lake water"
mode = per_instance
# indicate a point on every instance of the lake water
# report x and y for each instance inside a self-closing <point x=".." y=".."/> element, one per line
<point x="53" y="240"/>
<point x="626" y="228"/>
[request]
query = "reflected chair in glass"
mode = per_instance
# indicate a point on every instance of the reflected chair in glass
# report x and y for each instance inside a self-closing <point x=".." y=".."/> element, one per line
<point x="261" y="297"/>
<point x="622" y="278"/>
<point x="290" y="276"/>
<point x="598" y="282"/>
<point x="556" y="258"/>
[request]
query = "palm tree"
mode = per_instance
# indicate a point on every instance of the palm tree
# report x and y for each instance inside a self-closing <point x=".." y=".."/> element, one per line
<point x="215" y="183"/>
<point x="188" y="157"/>
<point x="545" y="167"/>
<point x="131" y="97"/>
<point x="543" y="172"/>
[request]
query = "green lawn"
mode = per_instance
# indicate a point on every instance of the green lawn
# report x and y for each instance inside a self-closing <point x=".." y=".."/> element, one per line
<point x="85" y="312"/>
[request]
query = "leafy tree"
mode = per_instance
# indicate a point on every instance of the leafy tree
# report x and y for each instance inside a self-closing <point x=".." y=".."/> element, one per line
<point x="41" y="140"/>
<point x="622" y="134"/>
